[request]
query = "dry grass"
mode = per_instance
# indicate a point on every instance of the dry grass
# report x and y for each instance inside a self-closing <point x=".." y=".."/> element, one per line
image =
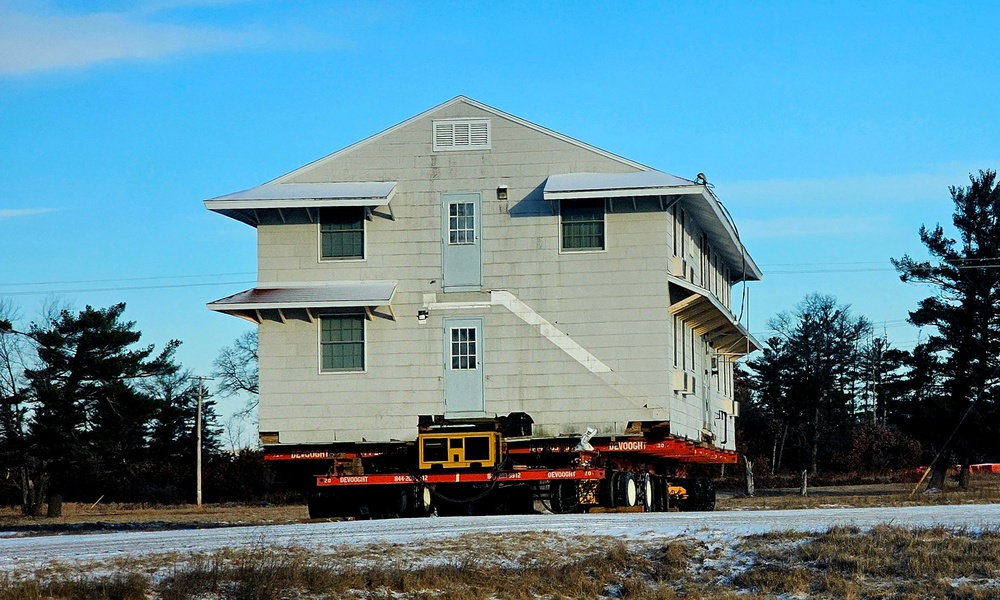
<point x="77" y="514"/>
<point x="884" y="562"/>
<point x="985" y="489"/>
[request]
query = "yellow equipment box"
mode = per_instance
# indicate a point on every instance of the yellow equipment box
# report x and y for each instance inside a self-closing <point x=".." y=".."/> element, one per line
<point x="459" y="450"/>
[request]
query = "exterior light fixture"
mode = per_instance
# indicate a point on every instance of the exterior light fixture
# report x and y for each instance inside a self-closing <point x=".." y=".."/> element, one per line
<point x="502" y="192"/>
<point x="422" y="315"/>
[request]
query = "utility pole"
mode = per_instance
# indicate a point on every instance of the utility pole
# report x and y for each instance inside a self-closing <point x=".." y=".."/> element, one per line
<point x="201" y="394"/>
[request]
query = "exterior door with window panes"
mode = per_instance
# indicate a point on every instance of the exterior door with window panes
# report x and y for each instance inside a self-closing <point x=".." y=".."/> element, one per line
<point x="461" y="252"/>
<point x="463" y="368"/>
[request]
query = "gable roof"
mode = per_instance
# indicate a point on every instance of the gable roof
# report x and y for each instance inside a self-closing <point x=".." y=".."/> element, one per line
<point x="470" y="102"/>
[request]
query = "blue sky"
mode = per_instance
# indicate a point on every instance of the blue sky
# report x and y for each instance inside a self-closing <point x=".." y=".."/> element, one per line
<point x="831" y="131"/>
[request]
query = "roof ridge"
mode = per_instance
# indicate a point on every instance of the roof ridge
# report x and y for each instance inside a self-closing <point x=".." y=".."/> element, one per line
<point x="471" y="102"/>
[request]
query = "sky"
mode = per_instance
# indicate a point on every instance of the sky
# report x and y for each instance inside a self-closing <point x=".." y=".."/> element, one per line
<point x="830" y="130"/>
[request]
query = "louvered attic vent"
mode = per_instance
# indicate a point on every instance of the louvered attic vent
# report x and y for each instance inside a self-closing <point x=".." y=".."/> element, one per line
<point x="461" y="134"/>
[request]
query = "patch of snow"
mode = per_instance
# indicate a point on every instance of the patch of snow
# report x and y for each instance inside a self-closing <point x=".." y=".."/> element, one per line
<point x="721" y="529"/>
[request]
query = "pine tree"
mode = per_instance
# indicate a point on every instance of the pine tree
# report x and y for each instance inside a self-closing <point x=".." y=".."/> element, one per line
<point x="807" y="376"/>
<point x="89" y="418"/>
<point x="965" y="312"/>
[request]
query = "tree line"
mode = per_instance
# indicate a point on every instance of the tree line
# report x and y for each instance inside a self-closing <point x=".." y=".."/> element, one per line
<point x="828" y="393"/>
<point x="88" y="412"/>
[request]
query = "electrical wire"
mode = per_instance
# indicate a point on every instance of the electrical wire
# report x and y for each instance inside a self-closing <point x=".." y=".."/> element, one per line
<point x="150" y="278"/>
<point x="126" y="288"/>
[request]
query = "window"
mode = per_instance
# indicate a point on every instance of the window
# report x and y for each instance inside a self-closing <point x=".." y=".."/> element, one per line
<point x="462" y="223"/>
<point x="342" y="232"/>
<point x="582" y="225"/>
<point x="342" y="343"/>
<point x="684" y="237"/>
<point x="706" y="253"/>
<point x="678" y="343"/>
<point x="463" y="348"/>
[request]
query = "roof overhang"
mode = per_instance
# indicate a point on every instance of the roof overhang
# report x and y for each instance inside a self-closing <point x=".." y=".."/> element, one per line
<point x="710" y="318"/>
<point x="570" y="186"/>
<point x="307" y="300"/>
<point x="245" y="206"/>
<point x="697" y="199"/>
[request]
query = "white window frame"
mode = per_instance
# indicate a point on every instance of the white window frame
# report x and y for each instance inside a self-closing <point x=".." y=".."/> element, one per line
<point x="347" y="259"/>
<point x="453" y="147"/>
<point x="607" y="236"/>
<point x="471" y="236"/>
<point x="319" y="343"/>
<point x="451" y="349"/>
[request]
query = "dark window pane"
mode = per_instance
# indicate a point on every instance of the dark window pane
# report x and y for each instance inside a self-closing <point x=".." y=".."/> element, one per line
<point x="583" y="225"/>
<point x="342" y="342"/>
<point x="342" y="232"/>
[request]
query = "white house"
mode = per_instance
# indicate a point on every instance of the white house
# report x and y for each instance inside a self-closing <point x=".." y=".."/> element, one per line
<point x="467" y="263"/>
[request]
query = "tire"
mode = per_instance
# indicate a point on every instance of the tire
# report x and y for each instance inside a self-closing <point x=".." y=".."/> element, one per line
<point x="423" y="501"/>
<point x="701" y="494"/>
<point x="563" y="497"/>
<point x="623" y="490"/>
<point x="320" y="505"/>
<point x="646" y="493"/>
<point x="708" y="499"/>
<point x="662" y="494"/>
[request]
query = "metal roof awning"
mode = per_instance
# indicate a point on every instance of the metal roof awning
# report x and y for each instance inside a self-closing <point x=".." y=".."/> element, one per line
<point x="245" y="206"/>
<point x="696" y="198"/>
<point x="570" y="186"/>
<point x="257" y="303"/>
<point x="709" y="317"/>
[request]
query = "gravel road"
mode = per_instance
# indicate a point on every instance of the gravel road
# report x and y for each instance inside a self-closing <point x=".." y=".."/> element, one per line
<point x="24" y="553"/>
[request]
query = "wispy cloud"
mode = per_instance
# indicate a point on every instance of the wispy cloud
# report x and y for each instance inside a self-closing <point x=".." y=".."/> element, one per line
<point x="10" y="213"/>
<point x="38" y="40"/>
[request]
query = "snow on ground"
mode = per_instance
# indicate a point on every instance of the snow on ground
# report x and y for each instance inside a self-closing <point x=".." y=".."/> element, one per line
<point x="25" y="554"/>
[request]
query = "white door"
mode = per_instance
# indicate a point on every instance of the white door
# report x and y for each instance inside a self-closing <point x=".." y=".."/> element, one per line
<point x="461" y="251"/>
<point x="463" y="368"/>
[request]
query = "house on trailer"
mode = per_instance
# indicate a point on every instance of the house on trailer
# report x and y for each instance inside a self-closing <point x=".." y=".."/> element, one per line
<point x="469" y="264"/>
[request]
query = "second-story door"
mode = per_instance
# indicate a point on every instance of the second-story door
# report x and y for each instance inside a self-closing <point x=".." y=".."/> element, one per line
<point x="461" y="252"/>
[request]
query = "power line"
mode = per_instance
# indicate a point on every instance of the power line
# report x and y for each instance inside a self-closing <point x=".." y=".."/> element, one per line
<point x="126" y="288"/>
<point x="150" y="278"/>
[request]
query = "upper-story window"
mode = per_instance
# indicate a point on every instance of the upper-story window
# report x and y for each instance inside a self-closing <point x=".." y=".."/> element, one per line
<point x="461" y="134"/>
<point x="342" y="233"/>
<point x="582" y="224"/>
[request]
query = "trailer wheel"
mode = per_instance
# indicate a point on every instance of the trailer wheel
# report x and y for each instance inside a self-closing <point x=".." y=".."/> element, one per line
<point x="328" y="504"/>
<point x="646" y="491"/>
<point x="623" y="489"/>
<point x="661" y="494"/>
<point x="320" y="505"/>
<point x="422" y="501"/>
<point x="563" y="497"/>
<point x="708" y="498"/>
<point x="701" y="494"/>
<point x="399" y="501"/>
